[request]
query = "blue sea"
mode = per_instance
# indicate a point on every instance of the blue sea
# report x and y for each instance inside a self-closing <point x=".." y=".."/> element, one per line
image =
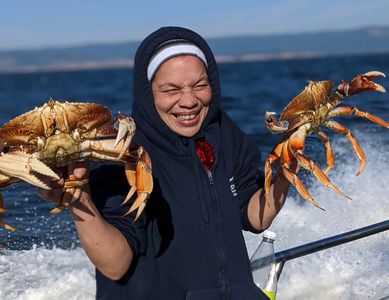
<point x="43" y="258"/>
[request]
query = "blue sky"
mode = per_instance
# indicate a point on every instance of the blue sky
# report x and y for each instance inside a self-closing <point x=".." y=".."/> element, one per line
<point x="56" y="23"/>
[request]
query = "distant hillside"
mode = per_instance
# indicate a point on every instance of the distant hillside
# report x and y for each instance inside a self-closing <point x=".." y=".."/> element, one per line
<point x="244" y="48"/>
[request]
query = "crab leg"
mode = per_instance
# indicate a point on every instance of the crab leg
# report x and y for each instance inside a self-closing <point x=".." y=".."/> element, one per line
<point x="272" y="157"/>
<point x="296" y="146"/>
<point x="335" y="126"/>
<point x="293" y="179"/>
<point x="100" y="150"/>
<point x="141" y="181"/>
<point x="131" y="178"/>
<point x="352" y="110"/>
<point x="329" y="153"/>
<point x="72" y="191"/>
<point x="105" y="150"/>
<point x="286" y="160"/>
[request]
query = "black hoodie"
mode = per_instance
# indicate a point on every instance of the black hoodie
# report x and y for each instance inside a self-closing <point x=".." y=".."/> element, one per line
<point x="188" y="243"/>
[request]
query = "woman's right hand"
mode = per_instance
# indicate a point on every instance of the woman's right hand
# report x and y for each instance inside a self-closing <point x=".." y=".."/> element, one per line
<point x="55" y="194"/>
<point x="105" y="245"/>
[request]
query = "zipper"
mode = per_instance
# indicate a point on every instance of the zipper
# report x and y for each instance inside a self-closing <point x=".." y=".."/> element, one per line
<point x="214" y="201"/>
<point x="219" y="224"/>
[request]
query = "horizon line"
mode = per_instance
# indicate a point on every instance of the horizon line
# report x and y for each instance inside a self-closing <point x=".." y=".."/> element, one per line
<point x="106" y="43"/>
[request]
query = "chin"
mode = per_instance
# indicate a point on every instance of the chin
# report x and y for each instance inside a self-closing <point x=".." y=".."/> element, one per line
<point x="187" y="133"/>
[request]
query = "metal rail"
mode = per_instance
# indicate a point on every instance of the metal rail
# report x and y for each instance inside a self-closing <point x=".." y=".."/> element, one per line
<point x="288" y="254"/>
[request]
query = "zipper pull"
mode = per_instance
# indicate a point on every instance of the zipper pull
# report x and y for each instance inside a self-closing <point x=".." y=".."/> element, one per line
<point x="209" y="173"/>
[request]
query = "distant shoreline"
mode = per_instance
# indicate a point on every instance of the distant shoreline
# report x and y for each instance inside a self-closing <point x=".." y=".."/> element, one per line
<point x="369" y="40"/>
<point x="129" y="63"/>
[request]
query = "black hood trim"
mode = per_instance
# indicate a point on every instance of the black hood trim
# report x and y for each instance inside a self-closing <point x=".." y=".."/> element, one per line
<point x="143" y="110"/>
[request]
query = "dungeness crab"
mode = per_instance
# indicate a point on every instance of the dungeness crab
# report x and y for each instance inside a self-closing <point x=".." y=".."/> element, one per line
<point x="59" y="134"/>
<point x="307" y="113"/>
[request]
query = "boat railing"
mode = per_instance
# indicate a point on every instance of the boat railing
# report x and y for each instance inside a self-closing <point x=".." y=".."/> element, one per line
<point x="319" y="245"/>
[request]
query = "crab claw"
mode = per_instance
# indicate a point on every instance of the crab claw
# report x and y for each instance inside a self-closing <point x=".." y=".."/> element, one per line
<point x="23" y="166"/>
<point x="126" y="130"/>
<point x="361" y="83"/>
<point x="273" y="124"/>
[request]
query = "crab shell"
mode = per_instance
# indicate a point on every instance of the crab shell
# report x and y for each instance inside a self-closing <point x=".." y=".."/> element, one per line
<point x="56" y="117"/>
<point x="315" y="99"/>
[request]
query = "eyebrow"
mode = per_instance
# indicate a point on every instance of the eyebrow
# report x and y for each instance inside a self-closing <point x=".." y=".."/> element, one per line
<point x="203" y="77"/>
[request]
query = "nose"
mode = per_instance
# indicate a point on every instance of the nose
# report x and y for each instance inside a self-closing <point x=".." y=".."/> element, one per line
<point x="188" y="99"/>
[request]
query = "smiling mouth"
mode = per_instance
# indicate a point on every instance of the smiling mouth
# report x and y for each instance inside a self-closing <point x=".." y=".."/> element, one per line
<point x="186" y="117"/>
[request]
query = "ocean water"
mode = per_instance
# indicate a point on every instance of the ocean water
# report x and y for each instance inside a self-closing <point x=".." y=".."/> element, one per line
<point x="43" y="259"/>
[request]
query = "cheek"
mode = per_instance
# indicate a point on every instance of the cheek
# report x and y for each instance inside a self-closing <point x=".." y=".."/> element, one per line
<point x="163" y="105"/>
<point x="205" y="97"/>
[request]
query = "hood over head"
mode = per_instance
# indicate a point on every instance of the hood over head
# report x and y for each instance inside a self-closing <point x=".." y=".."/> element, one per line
<point x="144" y="112"/>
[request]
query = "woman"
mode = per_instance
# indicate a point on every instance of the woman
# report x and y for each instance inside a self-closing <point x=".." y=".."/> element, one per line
<point x="188" y="243"/>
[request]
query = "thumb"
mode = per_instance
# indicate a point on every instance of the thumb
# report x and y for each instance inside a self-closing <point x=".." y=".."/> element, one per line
<point x="80" y="170"/>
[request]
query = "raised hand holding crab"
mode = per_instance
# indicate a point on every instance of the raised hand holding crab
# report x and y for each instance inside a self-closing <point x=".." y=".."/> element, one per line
<point x="307" y="113"/>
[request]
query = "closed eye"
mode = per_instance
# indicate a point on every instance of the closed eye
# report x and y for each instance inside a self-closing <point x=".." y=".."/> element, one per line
<point x="200" y="86"/>
<point x="170" y="90"/>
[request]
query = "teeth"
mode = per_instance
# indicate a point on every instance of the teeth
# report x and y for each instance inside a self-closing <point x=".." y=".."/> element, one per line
<point x="186" y="117"/>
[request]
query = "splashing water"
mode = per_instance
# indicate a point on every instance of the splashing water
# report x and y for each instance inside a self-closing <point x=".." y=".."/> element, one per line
<point x="40" y="274"/>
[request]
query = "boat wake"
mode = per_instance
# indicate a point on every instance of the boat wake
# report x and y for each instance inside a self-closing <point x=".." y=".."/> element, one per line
<point x="42" y="274"/>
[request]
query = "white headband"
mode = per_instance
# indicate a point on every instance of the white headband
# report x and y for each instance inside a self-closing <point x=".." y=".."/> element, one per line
<point x="170" y="51"/>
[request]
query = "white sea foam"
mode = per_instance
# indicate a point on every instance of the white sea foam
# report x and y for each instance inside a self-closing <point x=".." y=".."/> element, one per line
<point x="356" y="270"/>
<point x="42" y="274"/>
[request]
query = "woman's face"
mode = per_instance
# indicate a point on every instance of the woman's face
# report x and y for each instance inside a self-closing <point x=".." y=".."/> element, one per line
<point x="182" y="94"/>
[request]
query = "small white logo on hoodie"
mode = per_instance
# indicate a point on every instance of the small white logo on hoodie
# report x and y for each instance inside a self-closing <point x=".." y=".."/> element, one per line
<point x="232" y="187"/>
